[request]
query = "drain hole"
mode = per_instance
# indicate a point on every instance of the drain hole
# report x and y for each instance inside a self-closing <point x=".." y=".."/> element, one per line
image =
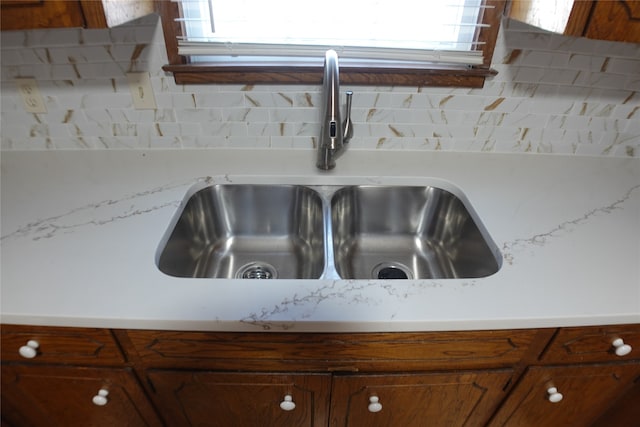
<point x="257" y="270"/>
<point x="391" y="271"/>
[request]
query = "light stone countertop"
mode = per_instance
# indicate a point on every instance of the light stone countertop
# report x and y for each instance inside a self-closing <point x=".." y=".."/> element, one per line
<point x="80" y="232"/>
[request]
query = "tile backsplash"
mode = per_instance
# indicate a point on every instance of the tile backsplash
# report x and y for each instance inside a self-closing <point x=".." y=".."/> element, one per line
<point x="553" y="94"/>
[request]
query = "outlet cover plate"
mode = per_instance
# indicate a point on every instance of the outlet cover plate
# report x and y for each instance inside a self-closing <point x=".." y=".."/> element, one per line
<point x="31" y="96"/>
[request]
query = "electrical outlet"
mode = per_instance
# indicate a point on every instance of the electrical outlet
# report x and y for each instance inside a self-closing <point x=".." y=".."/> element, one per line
<point x="31" y="96"/>
<point x="141" y="91"/>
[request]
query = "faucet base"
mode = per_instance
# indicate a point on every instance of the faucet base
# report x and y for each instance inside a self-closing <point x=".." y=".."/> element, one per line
<point x="326" y="159"/>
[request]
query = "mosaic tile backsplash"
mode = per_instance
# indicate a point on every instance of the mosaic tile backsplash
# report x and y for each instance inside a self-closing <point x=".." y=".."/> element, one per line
<point x="553" y="94"/>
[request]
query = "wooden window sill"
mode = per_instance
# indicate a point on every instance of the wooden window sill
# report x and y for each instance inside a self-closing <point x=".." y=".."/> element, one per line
<point x="444" y="77"/>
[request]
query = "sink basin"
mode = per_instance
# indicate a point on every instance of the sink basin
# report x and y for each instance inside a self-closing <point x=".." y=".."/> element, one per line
<point x="246" y="231"/>
<point x="236" y="231"/>
<point x="406" y="232"/>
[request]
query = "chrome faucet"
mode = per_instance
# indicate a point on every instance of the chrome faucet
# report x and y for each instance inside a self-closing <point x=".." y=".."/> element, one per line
<point x="333" y="134"/>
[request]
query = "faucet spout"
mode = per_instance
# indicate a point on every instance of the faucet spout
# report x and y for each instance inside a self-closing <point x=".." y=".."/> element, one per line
<point x="333" y="134"/>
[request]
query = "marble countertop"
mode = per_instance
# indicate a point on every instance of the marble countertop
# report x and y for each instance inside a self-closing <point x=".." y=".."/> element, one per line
<point x="80" y="232"/>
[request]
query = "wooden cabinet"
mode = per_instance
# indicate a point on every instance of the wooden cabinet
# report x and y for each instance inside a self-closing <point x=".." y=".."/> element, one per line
<point x="532" y="377"/>
<point x="455" y="378"/>
<point x="370" y="352"/>
<point x="68" y="377"/>
<point x="62" y="396"/>
<point x="617" y="20"/>
<point x="624" y="412"/>
<point x="567" y="395"/>
<point x="594" y="344"/>
<point x="91" y="346"/>
<point x="562" y="390"/>
<point x="417" y="400"/>
<point x="196" y="398"/>
<point x="606" y="20"/>
<point x="32" y="14"/>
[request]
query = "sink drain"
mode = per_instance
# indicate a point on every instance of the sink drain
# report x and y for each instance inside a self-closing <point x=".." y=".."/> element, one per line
<point x="391" y="271"/>
<point x="257" y="270"/>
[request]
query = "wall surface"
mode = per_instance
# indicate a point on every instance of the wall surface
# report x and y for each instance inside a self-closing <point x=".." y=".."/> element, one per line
<point x="553" y="94"/>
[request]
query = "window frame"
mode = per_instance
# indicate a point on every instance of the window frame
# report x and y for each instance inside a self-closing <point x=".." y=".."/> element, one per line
<point x="447" y="76"/>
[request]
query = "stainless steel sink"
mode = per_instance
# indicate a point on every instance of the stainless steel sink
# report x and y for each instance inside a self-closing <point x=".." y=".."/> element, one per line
<point x="237" y="231"/>
<point x="408" y="233"/>
<point x="247" y="231"/>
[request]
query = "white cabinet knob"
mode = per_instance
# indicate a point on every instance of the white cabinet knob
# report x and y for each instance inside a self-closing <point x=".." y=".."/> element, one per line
<point x="30" y="350"/>
<point x="554" y="396"/>
<point x="621" y="348"/>
<point x="100" y="399"/>
<point x="287" y="404"/>
<point x="374" y="404"/>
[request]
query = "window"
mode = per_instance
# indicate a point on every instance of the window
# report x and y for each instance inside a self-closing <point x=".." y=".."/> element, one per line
<point x="392" y="42"/>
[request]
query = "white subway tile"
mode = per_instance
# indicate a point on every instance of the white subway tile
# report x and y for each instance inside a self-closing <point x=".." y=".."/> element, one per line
<point x="113" y="100"/>
<point x="602" y="80"/>
<point x="615" y="49"/>
<point x="248" y="115"/>
<point x="73" y="143"/>
<point x="118" y="142"/>
<point x="199" y="115"/>
<point x="543" y="58"/>
<point x="227" y="129"/>
<point x="627" y="150"/>
<point x="54" y="37"/>
<point x="579" y="61"/>
<point x="219" y="100"/>
<point x="581" y="45"/>
<point x="528" y="40"/>
<point x="632" y="83"/>
<point x="15" y="129"/>
<point x="246" y="142"/>
<point x="285" y="114"/>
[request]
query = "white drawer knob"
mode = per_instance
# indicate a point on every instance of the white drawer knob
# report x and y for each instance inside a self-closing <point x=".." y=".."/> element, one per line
<point x="287" y="404"/>
<point x="622" y="349"/>
<point x="554" y="396"/>
<point x="30" y="350"/>
<point x="100" y="399"/>
<point x="374" y="404"/>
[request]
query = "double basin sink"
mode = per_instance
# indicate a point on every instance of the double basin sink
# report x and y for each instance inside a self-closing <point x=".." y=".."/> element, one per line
<point x="246" y="231"/>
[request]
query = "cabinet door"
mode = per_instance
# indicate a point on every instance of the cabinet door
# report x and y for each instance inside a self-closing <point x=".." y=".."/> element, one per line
<point x="615" y="20"/>
<point x="625" y="412"/>
<point x="34" y="396"/>
<point x="27" y="14"/>
<point x="241" y="399"/>
<point x="580" y="396"/>
<point x="447" y="400"/>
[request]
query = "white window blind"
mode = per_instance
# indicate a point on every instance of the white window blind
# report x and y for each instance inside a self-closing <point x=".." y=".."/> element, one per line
<point x="380" y="32"/>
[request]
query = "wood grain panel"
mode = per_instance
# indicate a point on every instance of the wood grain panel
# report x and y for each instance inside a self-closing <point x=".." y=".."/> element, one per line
<point x="417" y="400"/>
<point x="62" y="345"/>
<point x="240" y="399"/>
<point x="592" y="344"/>
<point x="587" y="390"/>
<point x="332" y="352"/>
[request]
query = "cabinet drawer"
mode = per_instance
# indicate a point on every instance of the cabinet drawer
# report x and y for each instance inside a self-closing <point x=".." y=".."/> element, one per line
<point x="332" y="352"/>
<point x="594" y="344"/>
<point x="60" y="345"/>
